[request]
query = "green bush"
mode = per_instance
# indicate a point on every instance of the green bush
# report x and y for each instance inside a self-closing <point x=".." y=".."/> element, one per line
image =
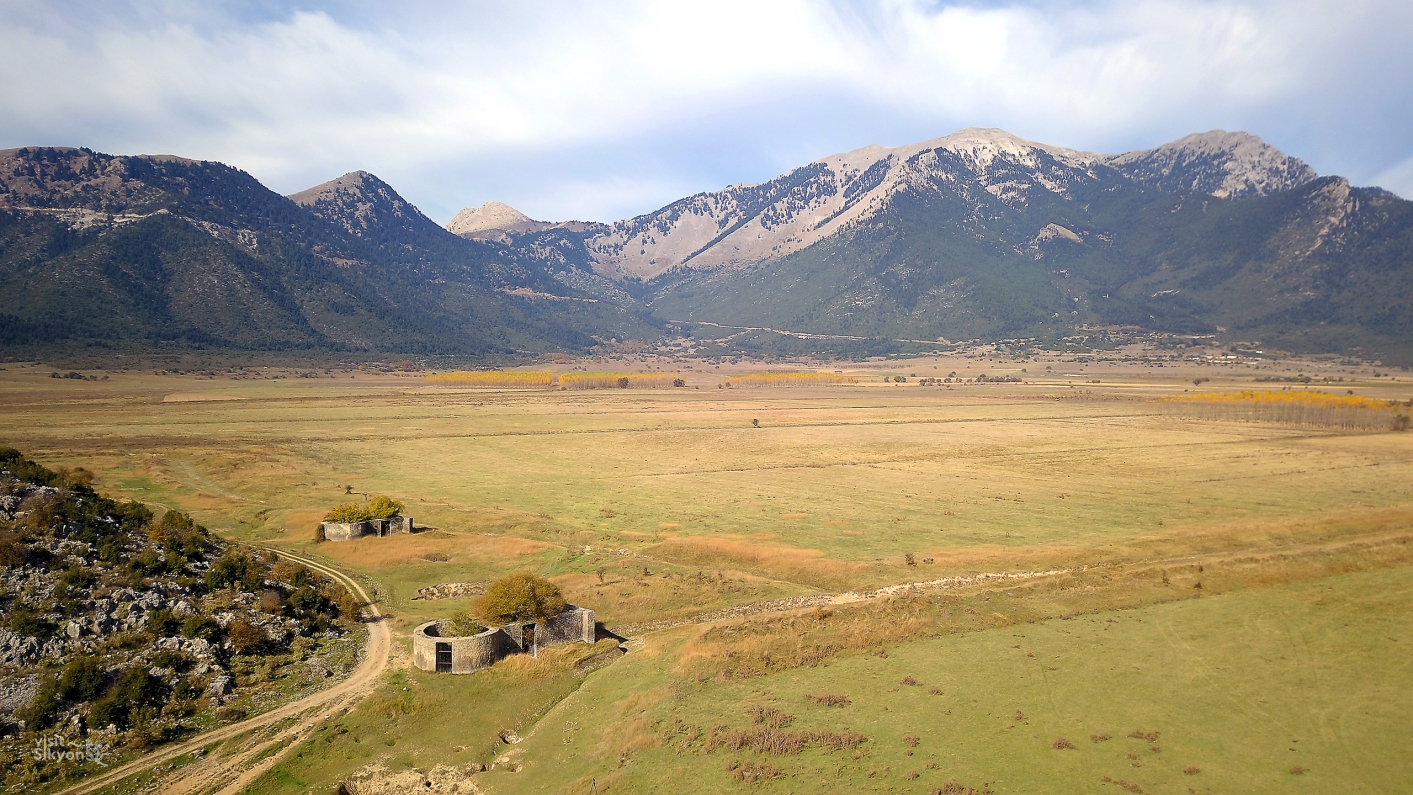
<point x="521" y="596"/>
<point x="381" y="507"/>
<point x="163" y="623"/>
<point x="199" y="626"/>
<point x="236" y="568"/>
<point x="463" y="625"/>
<point x="26" y="622"/>
<point x="135" y="691"/>
<point x="82" y="680"/>
<point x="176" y="533"/>
<point x="348" y="512"/>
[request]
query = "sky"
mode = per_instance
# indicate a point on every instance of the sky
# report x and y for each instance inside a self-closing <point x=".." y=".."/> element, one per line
<point x="604" y="110"/>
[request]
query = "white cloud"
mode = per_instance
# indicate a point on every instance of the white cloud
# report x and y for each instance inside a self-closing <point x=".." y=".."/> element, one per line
<point x="492" y="89"/>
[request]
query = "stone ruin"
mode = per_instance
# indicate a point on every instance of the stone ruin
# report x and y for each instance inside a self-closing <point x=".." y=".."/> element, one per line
<point x="347" y="531"/>
<point x="435" y="650"/>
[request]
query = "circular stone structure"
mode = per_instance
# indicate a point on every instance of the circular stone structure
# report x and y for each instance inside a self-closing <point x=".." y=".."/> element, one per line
<point x="435" y="650"/>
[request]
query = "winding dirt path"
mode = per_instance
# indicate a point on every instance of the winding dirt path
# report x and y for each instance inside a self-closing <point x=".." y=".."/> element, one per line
<point x="231" y="770"/>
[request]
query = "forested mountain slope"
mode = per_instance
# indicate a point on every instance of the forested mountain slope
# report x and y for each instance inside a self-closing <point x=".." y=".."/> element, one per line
<point x="148" y="250"/>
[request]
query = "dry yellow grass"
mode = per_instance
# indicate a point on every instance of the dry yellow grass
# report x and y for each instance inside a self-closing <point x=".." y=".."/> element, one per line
<point x="802" y="565"/>
<point x="388" y="553"/>
<point x="511" y="379"/>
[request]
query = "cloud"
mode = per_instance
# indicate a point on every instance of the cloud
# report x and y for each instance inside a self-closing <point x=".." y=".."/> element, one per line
<point x="598" y="110"/>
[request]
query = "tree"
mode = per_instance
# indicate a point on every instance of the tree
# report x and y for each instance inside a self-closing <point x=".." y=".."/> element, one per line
<point x="383" y="507"/>
<point x="521" y="596"/>
<point x="348" y="512"/>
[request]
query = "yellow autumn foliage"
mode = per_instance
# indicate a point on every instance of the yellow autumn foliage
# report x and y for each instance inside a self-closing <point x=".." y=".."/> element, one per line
<point x="616" y="380"/>
<point x="1296" y="407"/>
<point x="793" y="378"/>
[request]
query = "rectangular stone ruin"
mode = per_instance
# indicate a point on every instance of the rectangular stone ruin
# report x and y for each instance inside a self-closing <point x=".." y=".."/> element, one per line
<point x="347" y="531"/>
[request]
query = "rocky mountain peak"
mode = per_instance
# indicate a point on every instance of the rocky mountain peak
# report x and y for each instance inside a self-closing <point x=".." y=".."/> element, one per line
<point x="491" y="221"/>
<point x="360" y="202"/>
<point x="1228" y="165"/>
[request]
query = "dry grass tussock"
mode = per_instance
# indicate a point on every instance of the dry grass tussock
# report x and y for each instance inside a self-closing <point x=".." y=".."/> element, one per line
<point x="792" y="563"/>
<point x="768" y="734"/>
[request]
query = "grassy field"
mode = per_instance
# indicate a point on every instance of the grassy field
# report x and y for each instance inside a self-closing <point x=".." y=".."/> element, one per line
<point x="660" y="504"/>
<point x="1239" y="689"/>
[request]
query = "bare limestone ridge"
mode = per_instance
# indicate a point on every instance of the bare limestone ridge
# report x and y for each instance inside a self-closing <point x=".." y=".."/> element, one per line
<point x="744" y="224"/>
<point x="495" y="221"/>
<point x="491" y="221"/>
<point x="1228" y="165"/>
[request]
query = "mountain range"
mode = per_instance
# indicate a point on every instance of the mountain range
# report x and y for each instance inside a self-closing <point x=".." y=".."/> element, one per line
<point x="147" y="252"/>
<point x="976" y="235"/>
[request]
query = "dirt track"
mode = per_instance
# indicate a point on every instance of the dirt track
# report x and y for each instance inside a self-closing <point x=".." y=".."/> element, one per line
<point x="229" y="770"/>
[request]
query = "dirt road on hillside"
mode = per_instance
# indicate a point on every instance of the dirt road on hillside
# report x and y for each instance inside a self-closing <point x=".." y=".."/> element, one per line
<point x="229" y="770"/>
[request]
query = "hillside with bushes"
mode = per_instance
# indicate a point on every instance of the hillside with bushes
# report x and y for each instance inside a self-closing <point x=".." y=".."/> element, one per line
<point x="123" y="630"/>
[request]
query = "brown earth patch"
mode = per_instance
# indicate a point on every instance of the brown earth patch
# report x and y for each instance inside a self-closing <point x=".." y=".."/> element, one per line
<point x="792" y="563"/>
<point x="382" y="553"/>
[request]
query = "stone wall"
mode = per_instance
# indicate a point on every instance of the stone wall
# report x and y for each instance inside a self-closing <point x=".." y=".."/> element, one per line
<point x="347" y="531"/>
<point x="575" y="623"/>
<point x="468" y="653"/>
<point x="474" y="652"/>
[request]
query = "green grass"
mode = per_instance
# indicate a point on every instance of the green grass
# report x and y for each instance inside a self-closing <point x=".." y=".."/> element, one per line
<point x="1244" y="686"/>
<point x="417" y="720"/>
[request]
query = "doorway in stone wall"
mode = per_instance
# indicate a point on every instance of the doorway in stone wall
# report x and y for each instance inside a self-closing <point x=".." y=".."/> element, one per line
<point x="530" y="639"/>
<point x="443" y="658"/>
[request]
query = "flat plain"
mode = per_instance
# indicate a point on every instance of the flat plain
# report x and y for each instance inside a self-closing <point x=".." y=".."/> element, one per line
<point x="1237" y="588"/>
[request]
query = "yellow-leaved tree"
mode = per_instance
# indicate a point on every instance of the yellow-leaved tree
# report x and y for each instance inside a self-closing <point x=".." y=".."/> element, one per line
<point x="521" y="596"/>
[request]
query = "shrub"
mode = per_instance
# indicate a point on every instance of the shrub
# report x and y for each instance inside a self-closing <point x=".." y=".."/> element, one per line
<point x="522" y="596"/>
<point x="163" y="623"/>
<point x="134" y="691"/>
<point x="830" y="700"/>
<point x="26" y="622"/>
<point x="307" y="601"/>
<point x="82" y="680"/>
<point x="236" y="568"/>
<point x="348" y="512"/>
<point x="246" y="638"/>
<point x="272" y="602"/>
<point x="199" y="626"/>
<point x="11" y="552"/>
<point x="462" y="624"/>
<point x="176" y="532"/>
<point x="1063" y="743"/>
<point x="381" y="507"/>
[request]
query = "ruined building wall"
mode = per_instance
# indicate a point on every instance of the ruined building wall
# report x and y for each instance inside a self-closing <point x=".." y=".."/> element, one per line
<point x="573" y="624"/>
<point x="347" y="531"/>
<point x="472" y="653"/>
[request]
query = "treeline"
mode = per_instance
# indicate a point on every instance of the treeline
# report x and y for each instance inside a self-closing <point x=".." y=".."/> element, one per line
<point x="791" y="378"/>
<point x="1319" y="409"/>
